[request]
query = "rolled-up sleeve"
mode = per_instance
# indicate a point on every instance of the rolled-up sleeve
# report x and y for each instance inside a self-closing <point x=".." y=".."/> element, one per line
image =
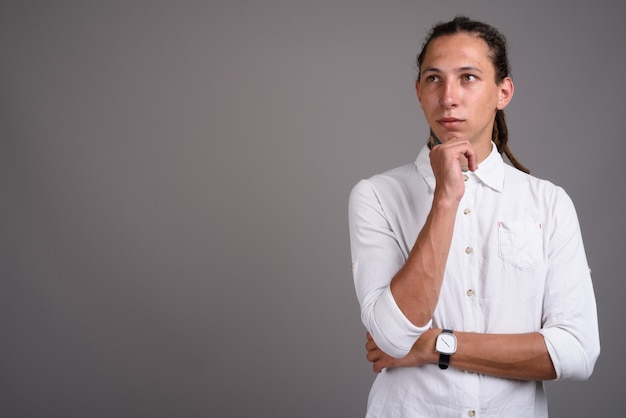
<point x="376" y="258"/>
<point x="570" y="323"/>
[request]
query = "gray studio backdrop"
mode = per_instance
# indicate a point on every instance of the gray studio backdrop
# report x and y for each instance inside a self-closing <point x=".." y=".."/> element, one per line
<point x="174" y="178"/>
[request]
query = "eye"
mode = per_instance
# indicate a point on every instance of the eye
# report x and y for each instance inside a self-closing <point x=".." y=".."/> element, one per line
<point x="432" y="78"/>
<point x="468" y="78"/>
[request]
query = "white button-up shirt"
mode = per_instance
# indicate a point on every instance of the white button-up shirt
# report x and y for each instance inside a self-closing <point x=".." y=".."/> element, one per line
<point x="516" y="265"/>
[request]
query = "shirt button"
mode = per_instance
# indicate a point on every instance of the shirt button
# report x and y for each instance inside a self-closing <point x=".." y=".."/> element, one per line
<point x="465" y="177"/>
<point x="469" y="250"/>
<point x="470" y="292"/>
<point x="467" y="211"/>
<point x="471" y="413"/>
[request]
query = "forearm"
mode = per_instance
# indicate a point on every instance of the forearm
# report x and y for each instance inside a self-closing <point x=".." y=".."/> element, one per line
<point x="417" y="285"/>
<point x="513" y="356"/>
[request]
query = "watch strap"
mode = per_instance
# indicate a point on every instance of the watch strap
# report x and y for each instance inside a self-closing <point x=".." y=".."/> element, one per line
<point x="444" y="361"/>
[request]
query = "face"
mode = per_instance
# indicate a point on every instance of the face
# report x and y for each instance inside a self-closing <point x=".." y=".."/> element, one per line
<point x="457" y="89"/>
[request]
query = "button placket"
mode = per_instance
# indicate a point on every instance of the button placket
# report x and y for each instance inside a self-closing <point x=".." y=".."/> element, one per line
<point x="467" y="219"/>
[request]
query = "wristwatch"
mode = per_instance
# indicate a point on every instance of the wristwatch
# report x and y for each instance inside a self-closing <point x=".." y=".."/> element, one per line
<point x="445" y="346"/>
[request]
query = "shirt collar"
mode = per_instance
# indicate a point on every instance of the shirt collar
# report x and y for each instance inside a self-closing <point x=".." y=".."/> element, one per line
<point x="490" y="171"/>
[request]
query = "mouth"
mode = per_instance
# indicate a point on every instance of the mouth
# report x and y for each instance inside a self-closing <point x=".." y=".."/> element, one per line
<point x="449" y="123"/>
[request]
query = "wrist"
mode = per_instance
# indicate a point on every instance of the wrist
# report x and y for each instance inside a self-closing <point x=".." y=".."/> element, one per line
<point x="430" y="340"/>
<point x="443" y="203"/>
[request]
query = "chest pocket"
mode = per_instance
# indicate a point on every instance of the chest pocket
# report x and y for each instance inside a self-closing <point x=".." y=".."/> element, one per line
<point x="520" y="243"/>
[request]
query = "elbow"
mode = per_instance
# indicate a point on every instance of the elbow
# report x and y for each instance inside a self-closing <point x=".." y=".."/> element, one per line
<point x="573" y="359"/>
<point x="387" y="338"/>
<point x="393" y="333"/>
<point x="584" y="369"/>
<point x="588" y="357"/>
<point x="590" y="363"/>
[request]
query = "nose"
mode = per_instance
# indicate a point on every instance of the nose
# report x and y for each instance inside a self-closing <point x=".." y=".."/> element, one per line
<point x="449" y="95"/>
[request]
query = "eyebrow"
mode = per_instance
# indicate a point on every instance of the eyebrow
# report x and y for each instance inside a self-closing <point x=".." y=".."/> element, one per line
<point x="458" y="70"/>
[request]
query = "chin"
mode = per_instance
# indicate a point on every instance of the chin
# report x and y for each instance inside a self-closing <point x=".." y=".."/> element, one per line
<point x="446" y="136"/>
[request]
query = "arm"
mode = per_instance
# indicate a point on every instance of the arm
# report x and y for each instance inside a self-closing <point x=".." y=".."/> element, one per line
<point x="570" y="320"/>
<point x="513" y="356"/>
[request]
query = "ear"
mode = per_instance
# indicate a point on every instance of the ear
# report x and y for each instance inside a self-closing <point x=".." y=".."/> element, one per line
<point x="506" y="92"/>
<point x="417" y="90"/>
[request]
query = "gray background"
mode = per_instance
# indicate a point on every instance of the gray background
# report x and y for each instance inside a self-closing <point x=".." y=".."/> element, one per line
<point x="174" y="180"/>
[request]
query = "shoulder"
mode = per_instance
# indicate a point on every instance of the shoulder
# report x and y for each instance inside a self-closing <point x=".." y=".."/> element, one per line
<point x="388" y="184"/>
<point x="515" y="177"/>
<point x="538" y="189"/>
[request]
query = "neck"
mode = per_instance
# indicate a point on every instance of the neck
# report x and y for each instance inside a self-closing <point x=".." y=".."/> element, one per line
<point x="483" y="152"/>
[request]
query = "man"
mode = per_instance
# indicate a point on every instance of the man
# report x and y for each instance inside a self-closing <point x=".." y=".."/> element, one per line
<point x="471" y="274"/>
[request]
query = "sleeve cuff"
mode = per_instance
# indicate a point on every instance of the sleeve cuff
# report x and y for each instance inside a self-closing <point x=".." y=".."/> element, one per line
<point x="568" y="356"/>
<point x="392" y="331"/>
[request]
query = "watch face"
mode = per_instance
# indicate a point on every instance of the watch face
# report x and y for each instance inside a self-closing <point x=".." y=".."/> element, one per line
<point x="446" y="343"/>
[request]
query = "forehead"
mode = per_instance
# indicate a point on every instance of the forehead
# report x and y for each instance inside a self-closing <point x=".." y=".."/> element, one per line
<point x="458" y="50"/>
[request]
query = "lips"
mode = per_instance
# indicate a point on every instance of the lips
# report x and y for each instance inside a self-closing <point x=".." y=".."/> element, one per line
<point x="449" y="123"/>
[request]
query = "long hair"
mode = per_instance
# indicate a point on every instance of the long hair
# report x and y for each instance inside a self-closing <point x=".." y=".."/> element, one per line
<point x="499" y="57"/>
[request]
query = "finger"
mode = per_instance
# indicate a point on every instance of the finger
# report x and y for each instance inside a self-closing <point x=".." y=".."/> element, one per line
<point x="471" y="160"/>
<point x="373" y="356"/>
<point x="378" y="366"/>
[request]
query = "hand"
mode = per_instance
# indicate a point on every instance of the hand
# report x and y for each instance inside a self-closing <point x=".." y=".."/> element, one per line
<point x="422" y="352"/>
<point x="446" y="160"/>
<point x="380" y="360"/>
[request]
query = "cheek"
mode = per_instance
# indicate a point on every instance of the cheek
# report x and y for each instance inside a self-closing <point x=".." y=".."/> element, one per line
<point x="428" y="103"/>
<point x="487" y="104"/>
<point x="420" y="100"/>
